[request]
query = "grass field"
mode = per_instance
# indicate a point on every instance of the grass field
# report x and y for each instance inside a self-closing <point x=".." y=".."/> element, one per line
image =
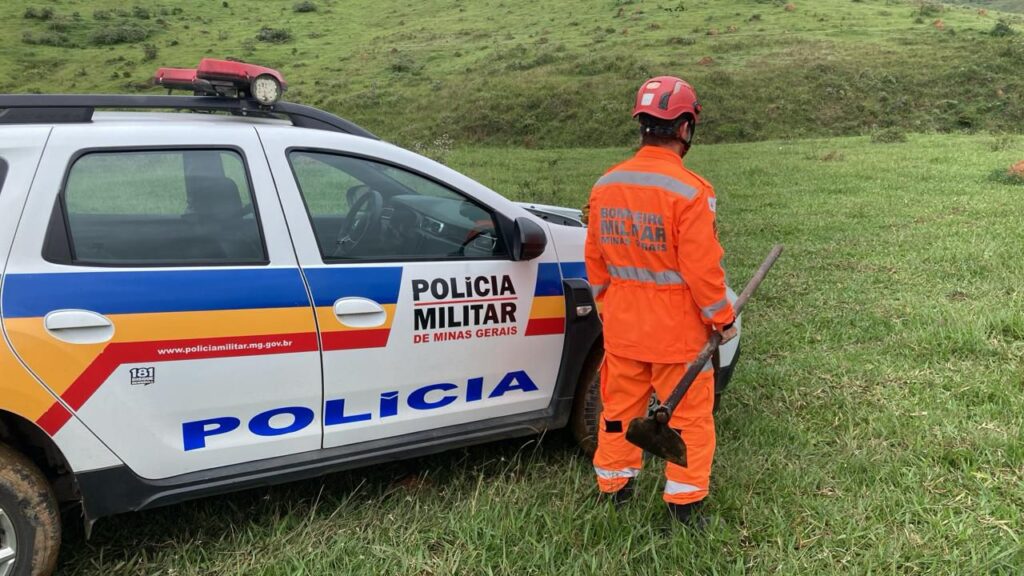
<point x="554" y="73"/>
<point x="874" y="424"/>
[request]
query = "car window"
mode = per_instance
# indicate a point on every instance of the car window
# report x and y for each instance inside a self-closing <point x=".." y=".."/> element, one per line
<point x="366" y="210"/>
<point x="161" y="208"/>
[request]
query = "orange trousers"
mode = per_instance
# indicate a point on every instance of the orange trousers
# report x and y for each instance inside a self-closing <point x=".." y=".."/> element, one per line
<point x="626" y="387"/>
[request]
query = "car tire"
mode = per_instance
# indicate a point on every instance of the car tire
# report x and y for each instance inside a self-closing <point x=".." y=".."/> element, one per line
<point x="29" y="517"/>
<point x="586" y="409"/>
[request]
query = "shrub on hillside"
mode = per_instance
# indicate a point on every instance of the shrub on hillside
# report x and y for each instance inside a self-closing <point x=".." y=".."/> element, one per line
<point x="304" y="6"/>
<point x="929" y="8"/>
<point x="57" y="39"/>
<point x="274" y="35"/>
<point x="123" y="34"/>
<point x="1002" y="28"/>
<point x="681" y="41"/>
<point x="149" y="52"/>
<point x="889" y="136"/>
<point x="405" y="64"/>
<point x="33" y="13"/>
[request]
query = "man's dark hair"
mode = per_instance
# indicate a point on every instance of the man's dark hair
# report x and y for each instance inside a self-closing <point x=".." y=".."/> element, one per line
<point x="658" y="132"/>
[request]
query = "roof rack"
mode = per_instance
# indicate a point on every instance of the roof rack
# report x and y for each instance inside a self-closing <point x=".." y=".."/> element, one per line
<point x="79" y="108"/>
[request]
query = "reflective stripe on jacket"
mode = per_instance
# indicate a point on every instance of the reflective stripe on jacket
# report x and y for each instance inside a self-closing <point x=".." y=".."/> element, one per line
<point x="653" y="250"/>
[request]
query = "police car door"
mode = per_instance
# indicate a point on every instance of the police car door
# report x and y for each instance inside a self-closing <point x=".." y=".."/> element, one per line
<point x="425" y="320"/>
<point x="163" y="303"/>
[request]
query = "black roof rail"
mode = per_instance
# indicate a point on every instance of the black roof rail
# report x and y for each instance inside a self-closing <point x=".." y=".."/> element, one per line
<point x="75" y="108"/>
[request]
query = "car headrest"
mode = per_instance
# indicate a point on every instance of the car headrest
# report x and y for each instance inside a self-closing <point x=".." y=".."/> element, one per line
<point x="213" y="196"/>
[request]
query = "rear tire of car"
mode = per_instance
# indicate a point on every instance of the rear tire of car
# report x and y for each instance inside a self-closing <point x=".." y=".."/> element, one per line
<point x="586" y="410"/>
<point x="29" y="517"/>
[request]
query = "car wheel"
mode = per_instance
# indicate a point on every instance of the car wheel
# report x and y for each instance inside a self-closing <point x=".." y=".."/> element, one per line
<point x="29" y="518"/>
<point x="586" y="409"/>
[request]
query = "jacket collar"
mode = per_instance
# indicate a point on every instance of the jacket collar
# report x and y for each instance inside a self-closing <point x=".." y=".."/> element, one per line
<point x="659" y="153"/>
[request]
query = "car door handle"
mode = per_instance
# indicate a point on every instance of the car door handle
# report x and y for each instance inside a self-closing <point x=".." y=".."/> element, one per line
<point x="360" y="313"/>
<point x="79" y="326"/>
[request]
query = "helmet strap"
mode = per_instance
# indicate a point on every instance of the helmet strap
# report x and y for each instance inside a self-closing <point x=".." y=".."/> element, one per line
<point x="691" y="128"/>
<point x="688" y="141"/>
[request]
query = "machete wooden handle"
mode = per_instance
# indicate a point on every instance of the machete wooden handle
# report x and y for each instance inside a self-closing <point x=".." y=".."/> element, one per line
<point x="666" y="409"/>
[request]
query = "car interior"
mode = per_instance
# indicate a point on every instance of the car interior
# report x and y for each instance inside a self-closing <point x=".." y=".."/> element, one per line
<point x="218" y="224"/>
<point x="381" y="217"/>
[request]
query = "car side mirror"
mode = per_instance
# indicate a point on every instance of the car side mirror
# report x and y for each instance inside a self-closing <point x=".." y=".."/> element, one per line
<point x="529" y="240"/>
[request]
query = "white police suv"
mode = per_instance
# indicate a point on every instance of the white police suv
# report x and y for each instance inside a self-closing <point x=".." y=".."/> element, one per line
<point x="195" y="303"/>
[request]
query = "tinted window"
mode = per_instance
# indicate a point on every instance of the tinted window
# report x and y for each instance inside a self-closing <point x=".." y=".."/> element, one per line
<point x="161" y="208"/>
<point x="365" y="210"/>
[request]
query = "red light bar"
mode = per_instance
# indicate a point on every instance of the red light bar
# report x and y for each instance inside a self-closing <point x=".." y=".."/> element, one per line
<point x="225" y="78"/>
<point x="211" y="69"/>
<point x="176" y="78"/>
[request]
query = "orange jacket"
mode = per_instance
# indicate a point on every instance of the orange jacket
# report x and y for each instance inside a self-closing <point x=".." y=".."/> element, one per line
<point x="654" y="259"/>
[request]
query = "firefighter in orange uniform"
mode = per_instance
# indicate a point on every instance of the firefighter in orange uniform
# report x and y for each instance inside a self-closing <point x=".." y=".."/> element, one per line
<point x="654" y="261"/>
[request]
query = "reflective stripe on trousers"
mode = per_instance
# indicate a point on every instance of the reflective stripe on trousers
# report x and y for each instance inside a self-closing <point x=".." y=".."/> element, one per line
<point x="637" y="178"/>
<point x="672" y="488"/>
<point x="610" y="474"/>
<point x="661" y="278"/>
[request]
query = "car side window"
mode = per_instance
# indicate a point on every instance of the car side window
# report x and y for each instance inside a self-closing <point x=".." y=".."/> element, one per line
<point x="159" y="208"/>
<point x="366" y="210"/>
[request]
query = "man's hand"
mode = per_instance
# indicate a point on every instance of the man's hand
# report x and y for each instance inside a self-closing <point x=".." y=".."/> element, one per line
<point x="728" y="331"/>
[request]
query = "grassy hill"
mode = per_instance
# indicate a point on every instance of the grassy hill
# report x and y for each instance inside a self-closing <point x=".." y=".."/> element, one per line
<point x="554" y="73"/>
<point x="1003" y="5"/>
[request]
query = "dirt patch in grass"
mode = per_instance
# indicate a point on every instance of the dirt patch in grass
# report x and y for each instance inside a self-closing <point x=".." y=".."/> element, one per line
<point x="958" y="296"/>
<point x="1016" y="172"/>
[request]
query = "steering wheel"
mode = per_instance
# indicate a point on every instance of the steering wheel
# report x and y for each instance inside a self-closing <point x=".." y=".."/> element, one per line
<point x="361" y="222"/>
<point x="481" y="229"/>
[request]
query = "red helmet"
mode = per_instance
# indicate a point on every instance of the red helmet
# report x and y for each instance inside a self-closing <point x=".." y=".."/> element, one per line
<point x="667" y="98"/>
